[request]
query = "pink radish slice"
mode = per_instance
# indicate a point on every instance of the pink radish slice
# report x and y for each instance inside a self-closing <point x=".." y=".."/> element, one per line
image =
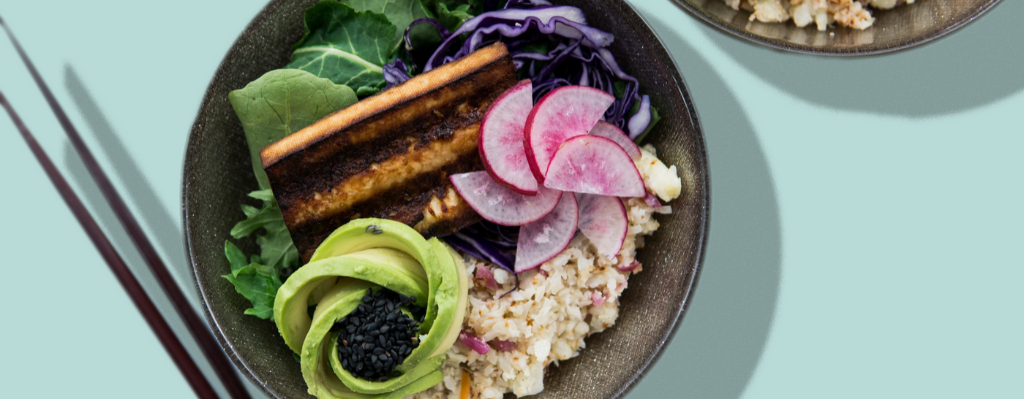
<point x="542" y="240"/>
<point x="565" y="112"/>
<point x="499" y="204"/>
<point x="594" y="165"/>
<point x="501" y="139"/>
<point x="613" y="133"/>
<point x="603" y="221"/>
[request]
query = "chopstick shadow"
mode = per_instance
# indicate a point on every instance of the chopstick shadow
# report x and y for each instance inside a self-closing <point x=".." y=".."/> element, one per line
<point x="161" y="226"/>
<point x="719" y="344"/>
<point x="977" y="65"/>
<point x="101" y="210"/>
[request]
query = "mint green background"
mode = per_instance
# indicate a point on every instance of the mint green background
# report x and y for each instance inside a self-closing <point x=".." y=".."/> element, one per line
<point x="865" y="232"/>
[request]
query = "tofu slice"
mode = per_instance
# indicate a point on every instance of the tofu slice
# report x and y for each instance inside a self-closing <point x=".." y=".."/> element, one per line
<point x="389" y="156"/>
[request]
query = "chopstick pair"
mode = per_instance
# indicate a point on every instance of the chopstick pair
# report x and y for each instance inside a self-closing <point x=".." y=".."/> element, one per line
<point x="209" y="346"/>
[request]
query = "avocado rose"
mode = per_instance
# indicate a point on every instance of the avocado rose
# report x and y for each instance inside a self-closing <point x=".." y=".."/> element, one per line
<point x="367" y="262"/>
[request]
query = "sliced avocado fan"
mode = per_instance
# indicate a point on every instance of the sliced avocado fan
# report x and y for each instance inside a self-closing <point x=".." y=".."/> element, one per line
<point x="370" y="254"/>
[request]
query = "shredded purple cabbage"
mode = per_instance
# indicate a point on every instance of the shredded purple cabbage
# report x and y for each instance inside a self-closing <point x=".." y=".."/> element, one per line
<point x="482" y="249"/>
<point x="577" y="54"/>
<point x="639" y="122"/>
<point x="395" y="72"/>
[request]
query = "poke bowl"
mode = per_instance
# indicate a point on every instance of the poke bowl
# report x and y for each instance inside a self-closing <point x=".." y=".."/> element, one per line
<point x="220" y="173"/>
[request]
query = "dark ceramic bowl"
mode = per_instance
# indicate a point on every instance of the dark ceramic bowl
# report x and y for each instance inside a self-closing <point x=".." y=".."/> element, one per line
<point x="900" y="28"/>
<point x="218" y="176"/>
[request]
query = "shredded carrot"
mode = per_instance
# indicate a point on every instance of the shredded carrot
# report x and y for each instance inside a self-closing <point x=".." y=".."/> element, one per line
<point x="465" y="386"/>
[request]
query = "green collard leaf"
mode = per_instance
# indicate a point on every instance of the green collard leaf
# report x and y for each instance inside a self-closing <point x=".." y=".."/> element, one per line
<point x="281" y="102"/>
<point x="452" y="14"/>
<point x="400" y="13"/>
<point x="348" y="47"/>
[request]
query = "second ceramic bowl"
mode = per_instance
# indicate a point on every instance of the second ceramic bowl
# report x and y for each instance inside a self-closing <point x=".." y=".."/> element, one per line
<point x="900" y="28"/>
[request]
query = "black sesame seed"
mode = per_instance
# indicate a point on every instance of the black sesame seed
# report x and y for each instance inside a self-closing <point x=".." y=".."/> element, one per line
<point x="377" y="337"/>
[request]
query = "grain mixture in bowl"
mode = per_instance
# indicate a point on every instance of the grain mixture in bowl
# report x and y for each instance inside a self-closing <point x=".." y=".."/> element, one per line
<point x="569" y="297"/>
<point x="848" y="13"/>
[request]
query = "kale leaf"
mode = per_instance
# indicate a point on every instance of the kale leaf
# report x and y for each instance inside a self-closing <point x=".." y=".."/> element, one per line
<point x="453" y="13"/>
<point x="400" y="13"/>
<point x="348" y="47"/>
<point x="281" y="102"/>
<point x="259" y="278"/>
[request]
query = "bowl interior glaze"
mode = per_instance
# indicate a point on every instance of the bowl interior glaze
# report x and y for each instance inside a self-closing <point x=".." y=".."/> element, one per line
<point x="217" y="177"/>
<point x="896" y="29"/>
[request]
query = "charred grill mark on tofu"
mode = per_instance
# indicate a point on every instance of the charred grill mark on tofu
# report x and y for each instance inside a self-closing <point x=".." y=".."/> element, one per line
<point x="407" y="203"/>
<point x="390" y="155"/>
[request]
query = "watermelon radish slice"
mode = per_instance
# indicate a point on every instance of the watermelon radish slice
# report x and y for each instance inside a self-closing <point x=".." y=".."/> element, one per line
<point x="603" y="221"/>
<point x="613" y="133"/>
<point x="542" y="240"/>
<point x="565" y="112"/>
<point x="594" y="165"/>
<point x="499" y="204"/>
<point x="501" y="139"/>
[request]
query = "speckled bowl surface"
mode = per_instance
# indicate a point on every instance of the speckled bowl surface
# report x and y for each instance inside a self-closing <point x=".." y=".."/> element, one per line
<point x="217" y="177"/>
<point x="896" y="29"/>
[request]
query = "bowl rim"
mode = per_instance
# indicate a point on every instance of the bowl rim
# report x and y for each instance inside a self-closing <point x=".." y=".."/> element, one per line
<point x="679" y="312"/>
<point x="855" y="51"/>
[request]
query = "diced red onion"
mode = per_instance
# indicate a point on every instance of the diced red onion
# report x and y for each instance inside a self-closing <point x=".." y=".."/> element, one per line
<point x="503" y="345"/>
<point x="664" y="210"/>
<point x="473" y="342"/>
<point x="652" y="201"/>
<point x="630" y="267"/>
<point x="597" y="298"/>
<point x="483" y="273"/>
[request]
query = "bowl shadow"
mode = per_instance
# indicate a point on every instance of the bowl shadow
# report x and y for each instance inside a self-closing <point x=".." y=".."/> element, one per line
<point x="977" y="65"/>
<point x="715" y="353"/>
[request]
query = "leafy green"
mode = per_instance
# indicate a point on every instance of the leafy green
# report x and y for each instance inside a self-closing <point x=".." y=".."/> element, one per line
<point x="281" y="102"/>
<point x="453" y="13"/>
<point x="400" y="13"/>
<point x="258" y="279"/>
<point x="345" y="46"/>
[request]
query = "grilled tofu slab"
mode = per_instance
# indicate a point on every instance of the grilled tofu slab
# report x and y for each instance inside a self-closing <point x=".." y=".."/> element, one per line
<point x="389" y="156"/>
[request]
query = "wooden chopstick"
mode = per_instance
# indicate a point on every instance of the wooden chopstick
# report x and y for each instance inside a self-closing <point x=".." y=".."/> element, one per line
<point x="128" y="281"/>
<point x="211" y="349"/>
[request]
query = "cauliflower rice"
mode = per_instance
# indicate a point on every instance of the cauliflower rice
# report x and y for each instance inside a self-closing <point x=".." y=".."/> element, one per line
<point x="848" y="13"/>
<point x="571" y="296"/>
